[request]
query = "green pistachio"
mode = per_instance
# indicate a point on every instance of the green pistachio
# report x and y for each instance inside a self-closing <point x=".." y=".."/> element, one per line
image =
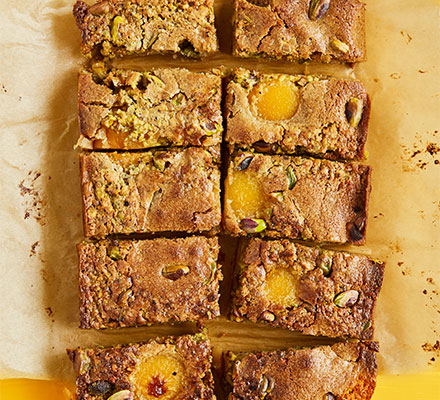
<point x="340" y="46"/>
<point x="122" y="395"/>
<point x="347" y="298"/>
<point x="326" y="266"/>
<point x="174" y="272"/>
<point x="117" y="21"/>
<point x="353" y="111"/>
<point x="318" y="9"/>
<point x="253" y="225"/>
<point x="278" y="195"/>
<point x="213" y="273"/>
<point x="291" y="177"/>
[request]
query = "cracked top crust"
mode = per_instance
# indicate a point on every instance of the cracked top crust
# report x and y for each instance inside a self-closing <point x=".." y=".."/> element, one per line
<point x="156" y="191"/>
<point x="319" y="126"/>
<point x="125" y="27"/>
<point x="298" y="198"/>
<point x="123" y="109"/>
<point x="150" y="281"/>
<point x="345" y="371"/>
<point x="321" y="276"/>
<point x="106" y="371"/>
<point x="284" y="29"/>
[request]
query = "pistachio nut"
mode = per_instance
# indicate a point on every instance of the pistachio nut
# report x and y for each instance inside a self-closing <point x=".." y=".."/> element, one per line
<point x="117" y="21"/>
<point x="291" y="177"/>
<point x="326" y="266"/>
<point x="318" y="9"/>
<point x="151" y="78"/>
<point x="367" y="325"/>
<point x="100" y="8"/>
<point x="253" y="225"/>
<point x="245" y="163"/>
<point x="122" y="395"/>
<point x="278" y="195"/>
<point x="262" y="147"/>
<point x="268" y="316"/>
<point x="213" y="272"/>
<point x="265" y="386"/>
<point x="178" y="99"/>
<point x="174" y="272"/>
<point x="338" y="45"/>
<point x="353" y="111"/>
<point x="356" y="228"/>
<point x="99" y="69"/>
<point x="115" y="254"/>
<point x="347" y="298"/>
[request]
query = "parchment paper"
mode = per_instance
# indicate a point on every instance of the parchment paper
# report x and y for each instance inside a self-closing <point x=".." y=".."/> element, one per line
<point x="40" y="213"/>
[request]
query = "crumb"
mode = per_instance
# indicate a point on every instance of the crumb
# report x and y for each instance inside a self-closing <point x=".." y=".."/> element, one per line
<point x="34" y="246"/>
<point x="400" y="263"/>
<point x="422" y="71"/>
<point x="425" y="291"/>
<point x="432" y="347"/>
<point x="33" y="200"/>
<point x="49" y="311"/>
<point x="430" y="280"/>
<point x="395" y="75"/>
<point x="3" y="88"/>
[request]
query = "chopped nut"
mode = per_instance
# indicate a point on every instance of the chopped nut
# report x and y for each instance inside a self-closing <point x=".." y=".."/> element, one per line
<point x="99" y="69"/>
<point x="278" y="195"/>
<point x="115" y="254"/>
<point x="122" y="395"/>
<point x="100" y="8"/>
<point x="265" y="386"/>
<point x="326" y="266"/>
<point x="149" y="77"/>
<point x="347" y="298"/>
<point x="355" y="229"/>
<point x="253" y="225"/>
<point x="245" y="163"/>
<point x="367" y="326"/>
<point x="340" y="46"/>
<point x="213" y="272"/>
<point x="118" y="20"/>
<point x="353" y="111"/>
<point x="268" y="316"/>
<point x="291" y="177"/>
<point x="174" y="272"/>
<point x="318" y="9"/>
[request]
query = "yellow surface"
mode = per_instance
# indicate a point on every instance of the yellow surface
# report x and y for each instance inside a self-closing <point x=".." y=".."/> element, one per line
<point x="425" y="386"/>
<point x="32" y="389"/>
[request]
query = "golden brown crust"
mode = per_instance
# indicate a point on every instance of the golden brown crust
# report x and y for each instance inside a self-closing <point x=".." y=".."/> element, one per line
<point x="322" y="276"/>
<point x="112" y="28"/>
<point x="173" y="190"/>
<point x="150" y="281"/>
<point x="284" y="29"/>
<point x="326" y="202"/>
<point x="125" y="109"/>
<point x="344" y="371"/>
<point x="105" y="371"/>
<point x="319" y="126"/>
